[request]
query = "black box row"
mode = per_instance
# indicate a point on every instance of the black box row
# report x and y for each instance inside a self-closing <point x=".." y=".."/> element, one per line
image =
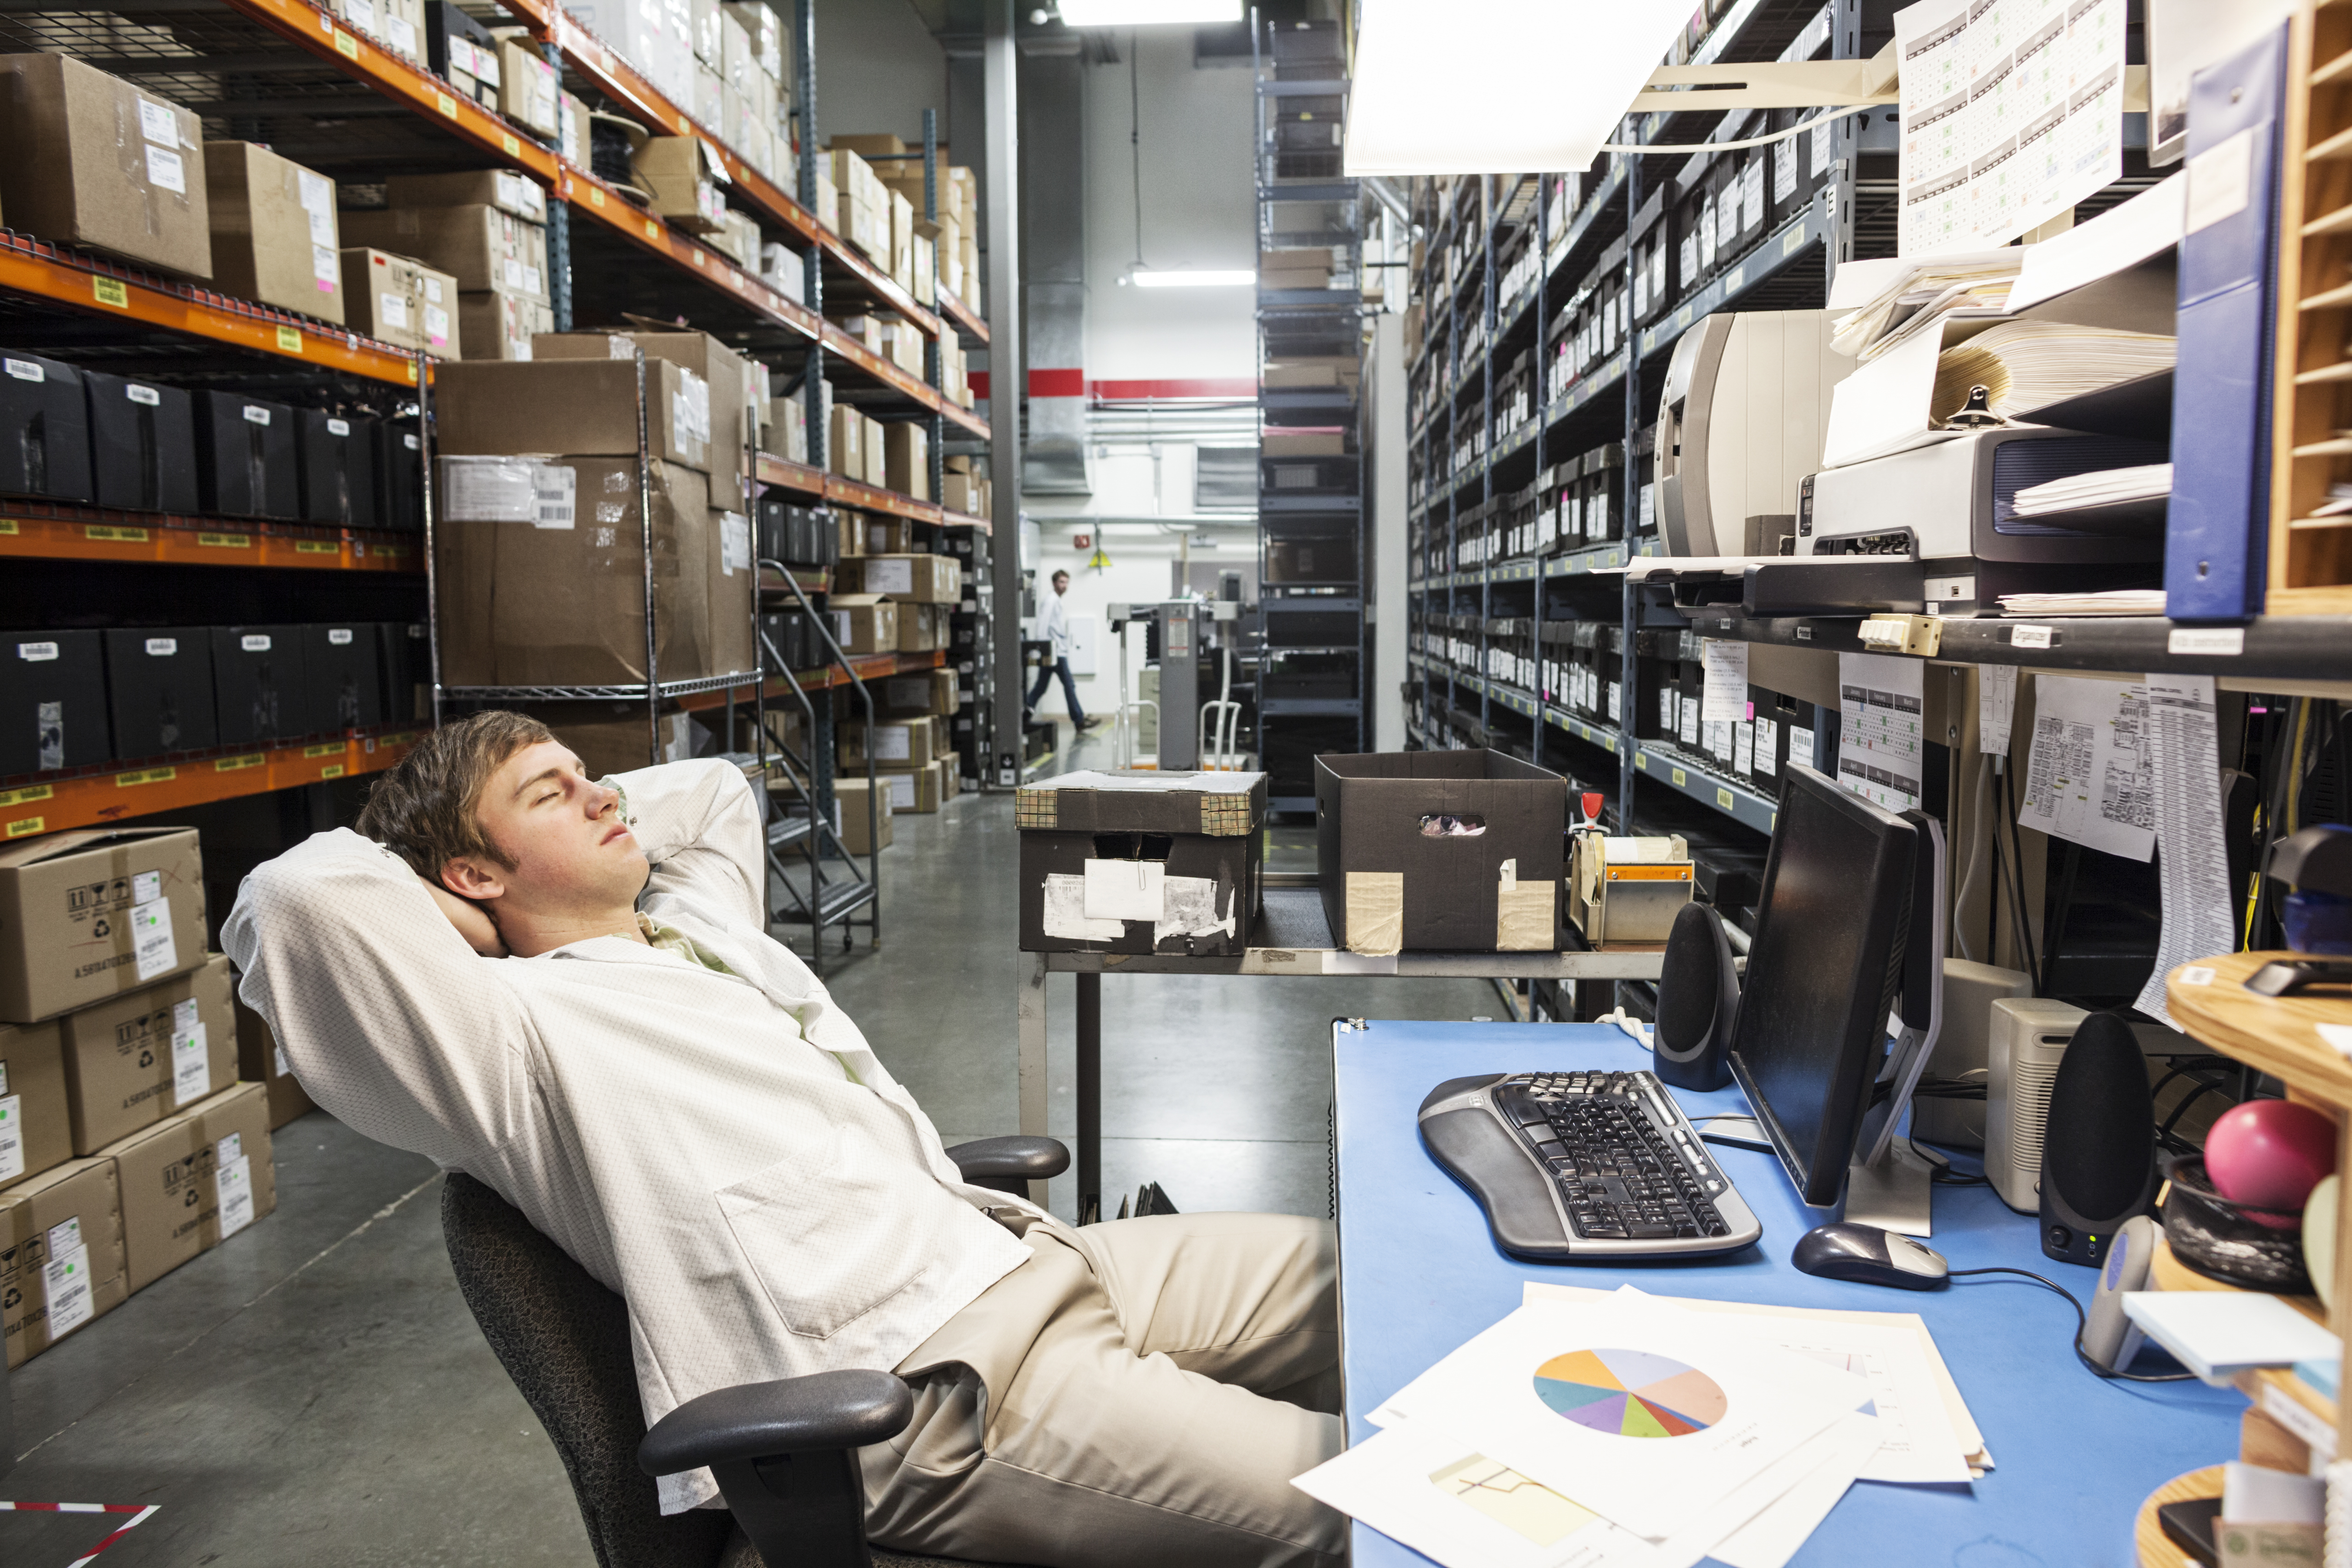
<point x="798" y="535"/>
<point x="71" y="699"/>
<point x="95" y="439"/>
<point x="792" y="636"/>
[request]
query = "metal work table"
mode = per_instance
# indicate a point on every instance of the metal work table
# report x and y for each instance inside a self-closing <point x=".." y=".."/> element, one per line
<point x="1291" y="938"/>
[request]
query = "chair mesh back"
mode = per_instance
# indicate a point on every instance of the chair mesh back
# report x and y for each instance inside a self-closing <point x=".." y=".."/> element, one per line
<point x="564" y="1340"/>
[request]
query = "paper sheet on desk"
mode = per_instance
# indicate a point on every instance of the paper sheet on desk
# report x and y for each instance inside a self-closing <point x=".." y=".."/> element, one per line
<point x="2192" y="862"/>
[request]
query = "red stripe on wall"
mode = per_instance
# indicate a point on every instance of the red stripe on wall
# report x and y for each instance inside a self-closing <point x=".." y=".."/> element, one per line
<point x="1070" y="383"/>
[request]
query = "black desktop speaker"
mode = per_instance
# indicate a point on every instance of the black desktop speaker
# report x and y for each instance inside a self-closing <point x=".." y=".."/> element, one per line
<point x="2098" y="1151"/>
<point x="1699" y="991"/>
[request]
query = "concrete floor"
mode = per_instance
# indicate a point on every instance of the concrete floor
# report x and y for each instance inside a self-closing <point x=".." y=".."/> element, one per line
<point x="315" y="1393"/>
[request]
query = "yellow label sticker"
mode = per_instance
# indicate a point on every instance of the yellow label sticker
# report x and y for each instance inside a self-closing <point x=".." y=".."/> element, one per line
<point x="445" y="104"/>
<point x="27" y="824"/>
<point x="238" y="764"/>
<point x="1735" y="280"/>
<point x="110" y="291"/>
<point x="105" y="533"/>
<point x="1642" y="761"/>
<point x="1681" y="778"/>
<point x="225" y="540"/>
<point x="393" y="549"/>
<point x="347" y="46"/>
<point x="509" y="145"/>
<point x="289" y="341"/>
<point x="652" y="229"/>
<point x="595" y="196"/>
<point x="332" y="748"/>
<point x="1723" y="797"/>
<point x="403" y="737"/>
<point x="27" y="796"/>
<point x="332" y="771"/>
<point x="317" y="547"/>
<point x="411" y="372"/>
<point x="145" y="776"/>
<point x="8" y="527"/>
<point x="1610" y="745"/>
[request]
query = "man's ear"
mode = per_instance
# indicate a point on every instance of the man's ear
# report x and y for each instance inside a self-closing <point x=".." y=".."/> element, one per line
<point x="471" y="878"/>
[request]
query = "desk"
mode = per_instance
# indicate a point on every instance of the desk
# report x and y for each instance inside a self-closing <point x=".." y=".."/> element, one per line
<point x="1291" y="938"/>
<point x="2074" y="1454"/>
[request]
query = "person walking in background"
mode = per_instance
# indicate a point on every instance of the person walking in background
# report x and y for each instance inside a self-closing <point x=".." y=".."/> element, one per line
<point x="1054" y="629"/>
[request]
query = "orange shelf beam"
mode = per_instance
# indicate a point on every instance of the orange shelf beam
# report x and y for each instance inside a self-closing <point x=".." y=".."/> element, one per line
<point x="874" y="498"/>
<point x="965" y="520"/>
<point x="92" y="800"/>
<point x="147" y="538"/>
<point x="785" y="474"/>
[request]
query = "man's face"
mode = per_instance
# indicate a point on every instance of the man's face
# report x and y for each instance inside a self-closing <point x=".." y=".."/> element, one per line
<point x="571" y="852"/>
<point x="1061" y="581"/>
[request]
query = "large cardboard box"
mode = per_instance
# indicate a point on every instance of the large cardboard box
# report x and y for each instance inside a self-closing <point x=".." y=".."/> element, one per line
<point x="400" y="300"/>
<point x="960" y="493"/>
<point x="528" y="89"/>
<point x="479" y="246"/>
<point x="1440" y="851"/>
<point x="909" y="696"/>
<point x="922" y="628"/>
<point x="36" y="1130"/>
<point x="719" y="404"/>
<point x="192" y="1181"/>
<point x="845" y="442"/>
<point x="614" y="737"/>
<point x="562" y="602"/>
<point x="96" y="162"/>
<point x="501" y="188"/>
<point x="260" y="1059"/>
<point x="89" y="914"/>
<point x="678" y="174"/>
<point x="907" y="458"/>
<point x="60" y="1255"/>
<point x="863" y="623"/>
<point x="731" y="582"/>
<point x="859" y="813"/>
<point x="878" y="467"/>
<point x="501" y="324"/>
<point x="1140" y="862"/>
<point x="911" y="579"/>
<point x="896" y="743"/>
<point x="273" y="230"/>
<point x="584" y="407"/>
<point x="912" y="791"/>
<point x="136" y="1058"/>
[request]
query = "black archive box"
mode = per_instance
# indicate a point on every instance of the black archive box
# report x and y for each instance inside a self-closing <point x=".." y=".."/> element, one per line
<point x="52" y="702"/>
<point x="246" y="465"/>
<point x="259" y="691"/>
<point x="336" y="458"/>
<point x="399" y="479"/>
<point x="339" y="665"/>
<point x="43" y="429"/>
<point x="142" y="444"/>
<point x="1201" y="830"/>
<point x="159" y="690"/>
<point x="403" y="656"/>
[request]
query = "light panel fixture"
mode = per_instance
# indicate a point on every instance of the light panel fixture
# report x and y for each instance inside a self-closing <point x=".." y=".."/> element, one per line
<point x="1433" y="94"/>
<point x="1147" y="278"/>
<point x="1145" y="12"/>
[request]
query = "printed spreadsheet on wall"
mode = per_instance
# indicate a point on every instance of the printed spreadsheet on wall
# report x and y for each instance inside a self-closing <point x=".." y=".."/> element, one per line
<point x="1881" y="727"/>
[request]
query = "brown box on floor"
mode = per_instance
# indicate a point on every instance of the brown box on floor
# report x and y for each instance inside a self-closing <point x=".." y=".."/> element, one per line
<point x="562" y="602"/>
<point x="192" y="1180"/>
<point x="863" y="623"/>
<point x="60" y="1255"/>
<point x="501" y="324"/>
<point x="856" y="813"/>
<point x="911" y="578"/>
<point x="479" y="246"/>
<point x="914" y="792"/>
<point x="88" y="914"/>
<point x="134" y="1059"/>
<point x="585" y="407"/>
<point x="35" y="1127"/>
<point x="273" y="230"/>
<point x="118" y="169"/>
<point x="261" y="1059"/>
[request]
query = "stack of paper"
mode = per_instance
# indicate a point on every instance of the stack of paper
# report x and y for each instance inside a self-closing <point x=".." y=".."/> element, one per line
<point x="2113" y="602"/>
<point x="2030" y="364"/>
<point x="1914" y="295"/>
<point x="2104" y="488"/>
<point x="1630" y="1431"/>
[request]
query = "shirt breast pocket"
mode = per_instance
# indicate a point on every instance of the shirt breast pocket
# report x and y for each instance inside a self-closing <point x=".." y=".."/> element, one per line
<point x="833" y="1229"/>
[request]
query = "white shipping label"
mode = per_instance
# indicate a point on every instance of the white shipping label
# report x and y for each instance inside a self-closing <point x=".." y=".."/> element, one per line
<point x="893" y="742"/>
<point x="1996" y="706"/>
<point x="889" y="576"/>
<point x="1126" y="891"/>
<point x="513" y="273"/>
<point x="339" y="637"/>
<point x="436" y="332"/>
<point x="147" y="396"/>
<point x="359" y="13"/>
<point x="152" y="949"/>
<point x="322" y="228"/>
<point x="145" y="888"/>
<point x="255" y="413"/>
<point x="734" y="544"/>
<point x="432" y="289"/>
<point x="165" y="172"/>
<point x="404" y="34"/>
<point x="488" y="489"/>
<point x="1768" y="747"/>
<point x="254" y="642"/>
<point x="158" y="123"/>
<point x="1064" y="912"/>
<point x="554" y="495"/>
<point x="26" y="370"/>
<point x="233" y="1182"/>
<point x="65" y="1280"/>
<point x="531" y="282"/>
<point x="339" y="426"/>
<point x="36" y="652"/>
<point x="316" y="194"/>
<point x="192" y="1067"/>
<point x="1726" y="663"/>
<point x="163" y="648"/>
<point x="325" y="269"/>
<point x="12" y="1137"/>
<point x="902" y="791"/>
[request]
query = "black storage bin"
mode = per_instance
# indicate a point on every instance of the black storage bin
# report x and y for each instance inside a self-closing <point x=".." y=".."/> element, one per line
<point x="43" y="429"/>
<point x="52" y="702"/>
<point x="142" y="442"/>
<point x="1308" y="675"/>
<point x="246" y="465"/>
<point x="404" y="657"/>
<point x="339" y="665"/>
<point x="159" y="690"/>
<point x="1311" y="628"/>
<point x="258" y="689"/>
<point x="399" y="479"/>
<point x="336" y="458"/>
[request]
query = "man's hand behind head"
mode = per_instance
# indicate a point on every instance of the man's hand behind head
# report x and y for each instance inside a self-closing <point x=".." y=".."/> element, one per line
<point x="476" y="926"/>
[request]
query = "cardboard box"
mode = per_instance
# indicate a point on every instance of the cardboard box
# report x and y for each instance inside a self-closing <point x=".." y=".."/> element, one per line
<point x="1176" y="860"/>
<point x="159" y="687"/>
<point x="951" y="771"/>
<point x="915" y="791"/>
<point x="478" y="245"/>
<point x="709" y="105"/>
<point x="704" y="34"/>
<point x="863" y="623"/>
<point x="763" y="32"/>
<point x="134" y="1059"/>
<point x="1303" y="444"/>
<point x="260" y="1059"/>
<point x="501" y="188"/>
<point x="919" y="628"/>
<point x="719" y="405"/>
<point x="35" y="1127"/>
<point x="379" y="295"/>
<point x="907" y="460"/>
<point x="118" y="169"/>
<point x="563" y="603"/>
<point x="858" y="814"/>
<point x="583" y="407"/>
<point x="877" y="468"/>
<point x="902" y="240"/>
<point x="273" y="230"/>
<point x="906" y="695"/>
<point x="911" y="579"/>
<point x="60" y="1255"/>
<point x="960" y="493"/>
<point x="850" y="542"/>
<point x="898" y="743"/>
<point x="90" y="914"/>
<point x="528" y="89"/>
<point x="500" y="325"/>
<point x="192" y="1180"/>
<point x="886" y="535"/>
<point x="735" y="51"/>
<point x="731" y="585"/>
<point x="678" y="172"/>
<point x="1440" y="851"/>
<point x="572" y="129"/>
<point x="845" y="442"/>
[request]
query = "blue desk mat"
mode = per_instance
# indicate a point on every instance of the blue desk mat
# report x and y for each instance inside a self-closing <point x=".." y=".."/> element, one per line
<point x="2074" y="1455"/>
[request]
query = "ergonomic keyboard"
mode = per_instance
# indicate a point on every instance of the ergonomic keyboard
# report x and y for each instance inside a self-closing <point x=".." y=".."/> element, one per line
<point x="1584" y="1167"/>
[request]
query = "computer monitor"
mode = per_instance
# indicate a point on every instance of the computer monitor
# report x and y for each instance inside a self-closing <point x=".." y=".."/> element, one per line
<point x="1823" y="972"/>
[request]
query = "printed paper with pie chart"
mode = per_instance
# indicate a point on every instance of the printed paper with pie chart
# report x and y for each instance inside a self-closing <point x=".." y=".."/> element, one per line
<point x="1630" y="1393"/>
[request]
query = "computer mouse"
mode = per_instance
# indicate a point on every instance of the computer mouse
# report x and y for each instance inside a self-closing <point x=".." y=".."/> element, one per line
<point x="1869" y="1256"/>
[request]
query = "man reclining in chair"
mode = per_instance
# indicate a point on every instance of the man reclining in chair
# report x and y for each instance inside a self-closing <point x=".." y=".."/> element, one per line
<point x="566" y="988"/>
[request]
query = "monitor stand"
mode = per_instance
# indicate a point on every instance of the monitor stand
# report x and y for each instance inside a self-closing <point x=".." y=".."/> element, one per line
<point x="1891" y="1192"/>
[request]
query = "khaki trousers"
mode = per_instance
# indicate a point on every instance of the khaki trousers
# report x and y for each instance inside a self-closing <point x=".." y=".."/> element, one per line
<point x="1140" y="1392"/>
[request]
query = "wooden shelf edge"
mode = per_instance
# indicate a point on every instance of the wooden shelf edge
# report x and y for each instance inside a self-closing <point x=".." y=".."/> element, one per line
<point x="2154" y="1548"/>
<point x="198" y="541"/>
<point x="90" y="800"/>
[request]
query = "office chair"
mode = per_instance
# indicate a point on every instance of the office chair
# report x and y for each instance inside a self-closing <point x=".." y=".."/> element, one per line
<point x="782" y="1451"/>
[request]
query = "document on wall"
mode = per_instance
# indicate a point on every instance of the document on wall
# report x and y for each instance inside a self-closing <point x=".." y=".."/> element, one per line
<point x="2089" y="778"/>
<point x="1725" y="700"/>
<point x="1882" y="712"/>
<point x="1996" y="706"/>
<point x="2192" y="862"/>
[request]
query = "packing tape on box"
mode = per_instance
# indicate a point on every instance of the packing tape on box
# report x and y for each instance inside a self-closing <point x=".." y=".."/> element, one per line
<point x="1523" y="913"/>
<point x="142" y="1513"/>
<point x="1376" y="912"/>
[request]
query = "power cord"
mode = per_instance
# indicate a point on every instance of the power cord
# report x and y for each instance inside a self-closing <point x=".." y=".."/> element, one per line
<point x="2082" y="1324"/>
<point x="1944" y="1173"/>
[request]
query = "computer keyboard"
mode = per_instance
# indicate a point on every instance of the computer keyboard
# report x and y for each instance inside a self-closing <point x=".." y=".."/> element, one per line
<point x="1585" y="1166"/>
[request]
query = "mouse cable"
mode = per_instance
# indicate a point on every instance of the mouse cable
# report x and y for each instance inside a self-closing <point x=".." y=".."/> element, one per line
<point x="2082" y="1324"/>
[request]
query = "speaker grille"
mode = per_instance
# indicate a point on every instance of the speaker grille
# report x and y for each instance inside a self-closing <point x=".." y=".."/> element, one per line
<point x="2029" y="1084"/>
<point x="2101" y="1142"/>
<point x="1686" y="981"/>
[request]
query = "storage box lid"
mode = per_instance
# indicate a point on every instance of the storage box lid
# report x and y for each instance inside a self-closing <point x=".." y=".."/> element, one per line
<point x="1218" y="804"/>
<point x="58" y="845"/>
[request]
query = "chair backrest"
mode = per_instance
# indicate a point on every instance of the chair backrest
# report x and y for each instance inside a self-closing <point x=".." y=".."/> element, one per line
<point x="564" y="1340"/>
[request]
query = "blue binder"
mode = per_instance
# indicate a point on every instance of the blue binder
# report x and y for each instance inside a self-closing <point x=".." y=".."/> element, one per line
<point x="2217" y="533"/>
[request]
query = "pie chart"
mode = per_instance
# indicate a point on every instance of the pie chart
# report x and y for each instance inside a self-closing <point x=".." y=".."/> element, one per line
<point x="1631" y="1393"/>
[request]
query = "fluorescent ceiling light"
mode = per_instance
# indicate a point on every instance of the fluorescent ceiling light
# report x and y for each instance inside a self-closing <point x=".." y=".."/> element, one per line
<point x="1147" y="278"/>
<point x="1433" y="94"/>
<point x="1143" y="13"/>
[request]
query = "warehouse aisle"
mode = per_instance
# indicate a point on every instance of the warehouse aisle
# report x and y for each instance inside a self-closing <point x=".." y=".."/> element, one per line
<point x="316" y="1392"/>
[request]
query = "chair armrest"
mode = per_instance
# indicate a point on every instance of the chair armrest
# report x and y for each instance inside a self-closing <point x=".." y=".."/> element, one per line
<point x="985" y="1162"/>
<point x="761" y="1420"/>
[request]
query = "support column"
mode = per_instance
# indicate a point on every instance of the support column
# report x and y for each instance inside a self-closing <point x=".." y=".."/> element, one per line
<point x="1000" y="170"/>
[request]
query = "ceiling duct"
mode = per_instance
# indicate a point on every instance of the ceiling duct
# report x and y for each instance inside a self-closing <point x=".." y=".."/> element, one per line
<point x="1054" y="272"/>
